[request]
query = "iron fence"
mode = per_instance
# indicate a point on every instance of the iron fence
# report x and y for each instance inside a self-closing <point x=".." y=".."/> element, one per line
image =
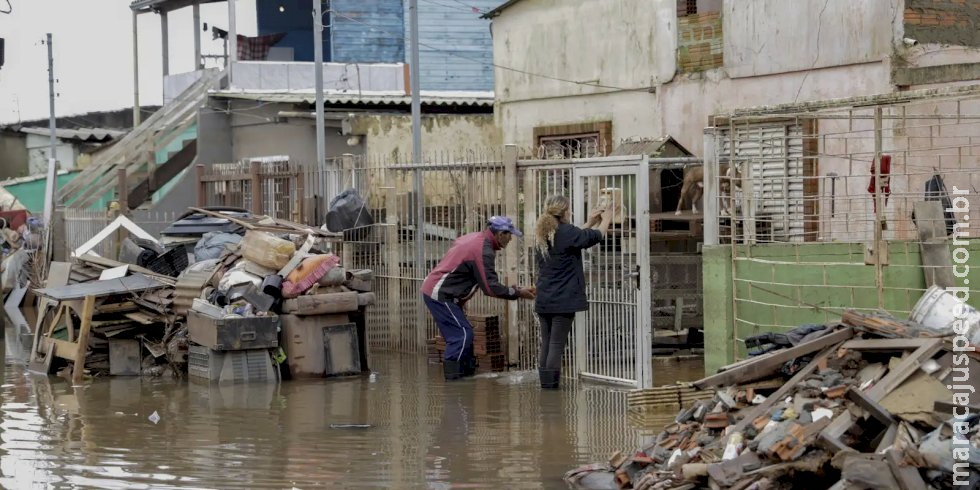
<point x="844" y="204"/>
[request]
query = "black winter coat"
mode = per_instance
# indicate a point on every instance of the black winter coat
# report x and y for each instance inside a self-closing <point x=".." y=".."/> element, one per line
<point x="561" y="280"/>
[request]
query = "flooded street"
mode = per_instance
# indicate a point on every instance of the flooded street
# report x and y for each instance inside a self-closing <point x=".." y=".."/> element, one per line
<point x="403" y="427"/>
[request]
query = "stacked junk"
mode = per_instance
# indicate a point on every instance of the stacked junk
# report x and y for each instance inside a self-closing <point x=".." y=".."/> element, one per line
<point x="223" y="296"/>
<point x="870" y="402"/>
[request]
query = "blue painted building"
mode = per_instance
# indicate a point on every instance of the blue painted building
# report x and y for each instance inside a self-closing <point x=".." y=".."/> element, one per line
<point x="455" y="50"/>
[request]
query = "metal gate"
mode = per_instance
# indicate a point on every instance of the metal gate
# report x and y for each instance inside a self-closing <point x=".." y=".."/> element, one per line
<point x="613" y="340"/>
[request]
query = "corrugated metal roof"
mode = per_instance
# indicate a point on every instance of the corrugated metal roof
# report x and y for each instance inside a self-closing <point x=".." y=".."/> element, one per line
<point x="81" y="134"/>
<point x="439" y="98"/>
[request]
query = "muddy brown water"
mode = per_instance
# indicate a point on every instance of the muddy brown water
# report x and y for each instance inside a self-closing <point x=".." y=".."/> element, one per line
<point x="497" y="431"/>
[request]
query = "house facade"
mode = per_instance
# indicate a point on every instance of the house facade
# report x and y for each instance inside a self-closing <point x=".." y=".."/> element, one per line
<point x="590" y="69"/>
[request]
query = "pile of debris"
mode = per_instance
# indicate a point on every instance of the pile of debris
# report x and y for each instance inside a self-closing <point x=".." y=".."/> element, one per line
<point x="210" y="300"/>
<point x="867" y="403"/>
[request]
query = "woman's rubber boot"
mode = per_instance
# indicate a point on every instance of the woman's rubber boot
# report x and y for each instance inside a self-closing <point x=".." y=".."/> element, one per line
<point x="549" y="378"/>
<point x="453" y="370"/>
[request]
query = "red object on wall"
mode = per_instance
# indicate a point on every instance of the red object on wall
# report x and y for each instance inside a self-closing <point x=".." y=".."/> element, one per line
<point x="885" y="188"/>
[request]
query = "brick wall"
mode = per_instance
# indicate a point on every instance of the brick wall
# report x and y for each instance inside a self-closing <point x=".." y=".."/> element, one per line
<point x="955" y="22"/>
<point x="699" y="42"/>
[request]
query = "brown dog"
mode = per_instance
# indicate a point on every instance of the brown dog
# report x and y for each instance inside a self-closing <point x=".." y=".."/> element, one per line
<point x="693" y="187"/>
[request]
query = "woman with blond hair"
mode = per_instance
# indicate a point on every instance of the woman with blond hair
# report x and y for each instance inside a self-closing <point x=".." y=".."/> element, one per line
<point x="561" y="279"/>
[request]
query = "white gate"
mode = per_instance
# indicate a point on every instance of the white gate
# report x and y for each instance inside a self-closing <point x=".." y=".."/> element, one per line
<point x="613" y="340"/>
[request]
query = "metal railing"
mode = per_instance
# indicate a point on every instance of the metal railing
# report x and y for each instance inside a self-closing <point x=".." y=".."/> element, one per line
<point x="843" y="204"/>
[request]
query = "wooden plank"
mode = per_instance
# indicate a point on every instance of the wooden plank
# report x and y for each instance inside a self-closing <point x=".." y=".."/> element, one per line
<point x="63" y="349"/>
<point x="321" y="304"/>
<point x="768" y="364"/>
<point x="943" y="406"/>
<point x="79" y="368"/>
<point x="892" y="380"/>
<point x="885" y="344"/>
<point x="876" y="411"/>
<point x="937" y="261"/>
<point x="908" y="367"/>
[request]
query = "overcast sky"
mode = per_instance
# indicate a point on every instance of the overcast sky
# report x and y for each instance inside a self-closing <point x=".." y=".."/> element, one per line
<point x="93" y="56"/>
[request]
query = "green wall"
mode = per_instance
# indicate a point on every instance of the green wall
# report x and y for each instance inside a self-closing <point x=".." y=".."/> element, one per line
<point x="31" y="194"/>
<point x="780" y="286"/>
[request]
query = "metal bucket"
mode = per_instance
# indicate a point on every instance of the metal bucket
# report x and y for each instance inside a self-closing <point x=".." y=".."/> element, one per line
<point x="935" y="312"/>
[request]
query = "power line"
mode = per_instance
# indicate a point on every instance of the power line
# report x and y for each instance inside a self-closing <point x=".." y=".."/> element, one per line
<point x="495" y="65"/>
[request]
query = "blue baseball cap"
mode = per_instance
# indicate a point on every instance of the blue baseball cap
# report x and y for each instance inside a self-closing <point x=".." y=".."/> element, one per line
<point x="503" y="223"/>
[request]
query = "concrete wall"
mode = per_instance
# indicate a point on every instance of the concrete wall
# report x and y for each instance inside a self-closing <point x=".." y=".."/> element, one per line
<point x="774" y="36"/>
<point x="829" y="275"/>
<point x="558" y="38"/>
<point x="257" y="132"/>
<point x="271" y="75"/>
<point x="13" y="155"/>
<point x="682" y="108"/>
<point x="682" y="103"/>
<point x="39" y="150"/>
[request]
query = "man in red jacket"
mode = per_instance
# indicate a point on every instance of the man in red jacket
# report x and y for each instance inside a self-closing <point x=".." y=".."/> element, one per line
<point x="466" y="267"/>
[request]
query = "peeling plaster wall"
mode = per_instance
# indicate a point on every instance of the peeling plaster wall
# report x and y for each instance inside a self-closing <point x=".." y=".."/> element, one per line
<point x="390" y="135"/>
<point x="388" y="138"/>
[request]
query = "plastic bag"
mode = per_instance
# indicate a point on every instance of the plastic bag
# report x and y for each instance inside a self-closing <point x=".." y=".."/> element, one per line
<point x="213" y="244"/>
<point x="237" y="275"/>
<point x="349" y="211"/>
<point x="267" y="250"/>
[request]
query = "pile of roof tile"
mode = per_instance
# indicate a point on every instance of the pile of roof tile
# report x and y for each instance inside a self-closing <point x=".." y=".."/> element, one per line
<point x="867" y="403"/>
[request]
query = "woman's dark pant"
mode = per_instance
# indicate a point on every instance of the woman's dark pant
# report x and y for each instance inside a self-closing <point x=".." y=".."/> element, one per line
<point x="554" y="335"/>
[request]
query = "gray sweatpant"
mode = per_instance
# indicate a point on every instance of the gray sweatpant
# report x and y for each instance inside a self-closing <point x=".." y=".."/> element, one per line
<point x="554" y="335"/>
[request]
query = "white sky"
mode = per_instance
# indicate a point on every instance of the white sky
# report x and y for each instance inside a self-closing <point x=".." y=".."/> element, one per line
<point x="93" y="56"/>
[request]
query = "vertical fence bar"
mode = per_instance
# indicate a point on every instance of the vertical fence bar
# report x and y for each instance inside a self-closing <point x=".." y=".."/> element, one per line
<point x="202" y="187"/>
<point x="510" y="208"/>
<point x="712" y="175"/>
<point x="255" y="176"/>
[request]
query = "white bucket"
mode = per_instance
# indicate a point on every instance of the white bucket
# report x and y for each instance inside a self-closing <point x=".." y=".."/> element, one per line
<point x="934" y="311"/>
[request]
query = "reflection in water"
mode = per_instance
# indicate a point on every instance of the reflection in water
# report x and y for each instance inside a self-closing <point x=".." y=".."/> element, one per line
<point x="491" y="432"/>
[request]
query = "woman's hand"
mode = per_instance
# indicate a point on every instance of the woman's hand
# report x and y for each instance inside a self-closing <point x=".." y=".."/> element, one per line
<point x="595" y="216"/>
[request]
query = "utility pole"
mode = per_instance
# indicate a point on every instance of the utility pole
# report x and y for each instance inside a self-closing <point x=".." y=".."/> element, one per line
<point x="49" y="187"/>
<point x="417" y="147"/>
<point x="321" y="157"/>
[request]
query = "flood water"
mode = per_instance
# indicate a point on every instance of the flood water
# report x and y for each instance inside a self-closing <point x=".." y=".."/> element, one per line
<point x="497" y="431"/>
